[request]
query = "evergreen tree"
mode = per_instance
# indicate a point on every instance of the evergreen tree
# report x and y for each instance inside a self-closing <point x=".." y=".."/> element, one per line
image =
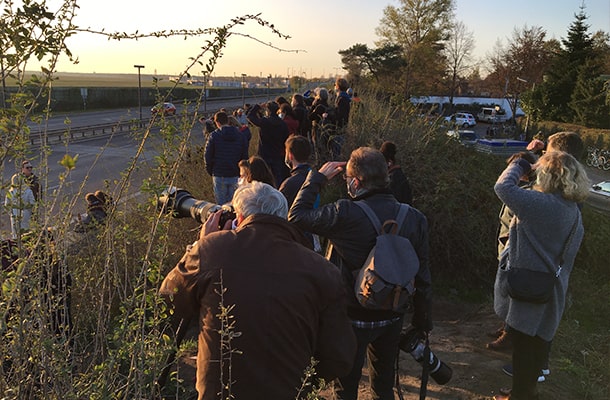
<point x="557" y="89"/>
<point x="588" y="98"/>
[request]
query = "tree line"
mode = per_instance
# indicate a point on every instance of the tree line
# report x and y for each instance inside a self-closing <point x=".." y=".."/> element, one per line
<point x="422" y="50"/>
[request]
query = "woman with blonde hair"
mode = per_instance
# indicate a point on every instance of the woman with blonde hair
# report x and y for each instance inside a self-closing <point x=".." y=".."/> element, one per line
<point x="545" y="232"/>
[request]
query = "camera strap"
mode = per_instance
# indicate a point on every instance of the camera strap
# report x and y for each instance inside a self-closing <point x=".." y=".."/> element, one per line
<point x="397" y="383"/>
<point x="423" y="389"/>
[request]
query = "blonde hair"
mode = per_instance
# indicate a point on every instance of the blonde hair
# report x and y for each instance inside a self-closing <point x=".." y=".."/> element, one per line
<point x="558" y="171"/>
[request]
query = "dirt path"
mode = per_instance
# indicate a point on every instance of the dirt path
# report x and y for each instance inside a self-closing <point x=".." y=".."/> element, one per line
<point x="458" y="339"/>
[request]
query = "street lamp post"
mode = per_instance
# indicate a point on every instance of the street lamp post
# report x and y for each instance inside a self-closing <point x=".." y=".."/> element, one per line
<point x="139" y="67"/>
<point x="268" y="88"/>
<point x="205" y="93"/>
<point x="243" y="88"/>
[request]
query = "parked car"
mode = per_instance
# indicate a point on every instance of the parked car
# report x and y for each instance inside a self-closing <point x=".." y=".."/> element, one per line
<point x="601" y="188"/>
<point x="465" y="120"/>
<point x="166" y="108"/>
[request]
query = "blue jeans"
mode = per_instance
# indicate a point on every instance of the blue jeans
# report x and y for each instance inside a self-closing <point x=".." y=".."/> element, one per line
<point x="224" y="187"/>
<point x="380" y="345"/>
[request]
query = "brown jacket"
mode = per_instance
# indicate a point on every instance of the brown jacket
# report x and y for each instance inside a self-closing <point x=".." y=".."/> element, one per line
<point x="289" y="306"/>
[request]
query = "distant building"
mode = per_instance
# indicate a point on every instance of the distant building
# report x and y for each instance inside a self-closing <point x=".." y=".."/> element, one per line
<point x="442" y="101"/>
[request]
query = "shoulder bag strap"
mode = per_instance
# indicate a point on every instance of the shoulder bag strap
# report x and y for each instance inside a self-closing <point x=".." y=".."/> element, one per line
<point x="568" y="242"/>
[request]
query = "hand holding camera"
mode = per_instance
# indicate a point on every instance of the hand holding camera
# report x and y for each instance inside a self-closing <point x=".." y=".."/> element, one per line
<point x="216" y="221"/>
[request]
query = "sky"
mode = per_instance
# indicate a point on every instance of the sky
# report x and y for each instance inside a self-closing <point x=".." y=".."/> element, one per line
<point x="318" y="30"/>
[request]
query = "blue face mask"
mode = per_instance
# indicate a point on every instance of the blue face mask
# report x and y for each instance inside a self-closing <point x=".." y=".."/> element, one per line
<point x="352" y="191"/>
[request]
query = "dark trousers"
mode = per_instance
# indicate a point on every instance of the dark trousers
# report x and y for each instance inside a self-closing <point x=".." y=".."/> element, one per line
<point x="529" y="357"/>
<point x="380" y="345"/>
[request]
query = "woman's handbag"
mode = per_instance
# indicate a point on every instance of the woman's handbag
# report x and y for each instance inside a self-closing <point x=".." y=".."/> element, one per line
<point x="531" y="286"/>
<point x="536" y="286"/>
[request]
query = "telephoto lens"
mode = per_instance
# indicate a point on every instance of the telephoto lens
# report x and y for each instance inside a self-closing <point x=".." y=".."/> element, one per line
<point x="182" y="205"/>
<point x="413" y="342"/>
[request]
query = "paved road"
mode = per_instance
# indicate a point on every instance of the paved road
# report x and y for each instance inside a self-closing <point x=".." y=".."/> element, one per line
<point x="79" y="119"/>
<point x="100" y="159"/>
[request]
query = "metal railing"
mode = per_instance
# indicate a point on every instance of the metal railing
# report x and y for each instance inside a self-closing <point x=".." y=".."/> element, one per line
<point x="57" y="136"/>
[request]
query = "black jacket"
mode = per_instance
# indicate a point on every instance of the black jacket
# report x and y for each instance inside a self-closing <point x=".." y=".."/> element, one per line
<point x="352" y="236"/>
<point x="400" y="186"/>
<point x="273" y="134"/>
<point x="342" y="104"/>
<point x="291" y="185"/>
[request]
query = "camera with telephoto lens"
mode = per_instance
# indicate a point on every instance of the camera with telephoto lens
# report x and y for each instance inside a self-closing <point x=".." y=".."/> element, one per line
<point x="413" y="341"/>
<point x="182" y="205"/>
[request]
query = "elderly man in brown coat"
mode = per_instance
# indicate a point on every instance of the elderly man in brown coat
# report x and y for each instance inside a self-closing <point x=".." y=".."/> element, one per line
<point x="288" y="303"/>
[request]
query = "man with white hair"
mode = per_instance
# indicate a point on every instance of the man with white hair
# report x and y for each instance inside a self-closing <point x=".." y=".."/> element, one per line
<point x="287" y="303"/>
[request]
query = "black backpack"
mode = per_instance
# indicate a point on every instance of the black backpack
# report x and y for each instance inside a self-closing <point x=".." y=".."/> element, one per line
<point x="386" y="280"/>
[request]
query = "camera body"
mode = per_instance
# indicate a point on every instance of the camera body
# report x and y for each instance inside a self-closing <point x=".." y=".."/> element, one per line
<point x="181" y="204"/>
<point x="413" y="342"/>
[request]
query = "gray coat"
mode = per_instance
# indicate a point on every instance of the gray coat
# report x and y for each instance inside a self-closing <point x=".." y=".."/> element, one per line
<point x="537" y="236"/>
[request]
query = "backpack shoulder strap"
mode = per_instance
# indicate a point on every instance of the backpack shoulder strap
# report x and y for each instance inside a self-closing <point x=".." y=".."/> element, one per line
<point x="370" y="214"/>
<point x="402" y="214"/>
<point x="400" y="218"/>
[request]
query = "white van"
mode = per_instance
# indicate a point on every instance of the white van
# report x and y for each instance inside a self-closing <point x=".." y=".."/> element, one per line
<point x="488" y="114"/>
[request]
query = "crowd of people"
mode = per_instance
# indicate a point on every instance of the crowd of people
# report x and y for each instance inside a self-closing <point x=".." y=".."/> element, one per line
<point x="291" y="304"/>
<point x="317" y="117"/>
<point x="540" y="220"/>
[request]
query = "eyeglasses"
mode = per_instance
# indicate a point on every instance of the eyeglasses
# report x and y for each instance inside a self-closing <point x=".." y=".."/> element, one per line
<point x="346" y="176"/>
<point x="29" y="167"/>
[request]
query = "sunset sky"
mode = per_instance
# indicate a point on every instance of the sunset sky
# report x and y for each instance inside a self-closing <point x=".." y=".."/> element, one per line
<point x="319" y="29"/>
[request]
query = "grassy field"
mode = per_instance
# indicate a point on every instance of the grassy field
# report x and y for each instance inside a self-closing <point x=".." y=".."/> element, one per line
<point x="73" y="79"/>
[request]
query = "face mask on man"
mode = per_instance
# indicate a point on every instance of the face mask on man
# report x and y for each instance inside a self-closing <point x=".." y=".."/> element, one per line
<point x="352" y="191"/>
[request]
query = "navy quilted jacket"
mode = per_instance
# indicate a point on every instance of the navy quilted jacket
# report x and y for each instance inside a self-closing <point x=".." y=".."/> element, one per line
<point x="223" y="151"/>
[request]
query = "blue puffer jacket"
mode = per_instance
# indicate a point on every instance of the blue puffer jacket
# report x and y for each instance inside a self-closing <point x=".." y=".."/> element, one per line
<point x="223" y="151"/>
